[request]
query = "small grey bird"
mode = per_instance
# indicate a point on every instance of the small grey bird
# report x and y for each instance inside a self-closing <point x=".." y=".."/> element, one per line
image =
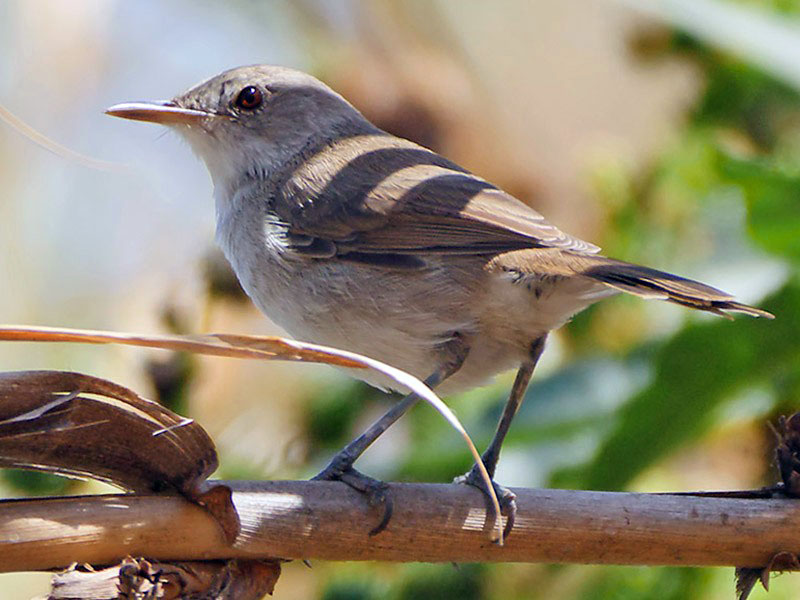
<point x="347" y="236"/>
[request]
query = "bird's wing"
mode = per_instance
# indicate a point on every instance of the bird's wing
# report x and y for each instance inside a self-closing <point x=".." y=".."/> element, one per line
<point x="410" y="201"/>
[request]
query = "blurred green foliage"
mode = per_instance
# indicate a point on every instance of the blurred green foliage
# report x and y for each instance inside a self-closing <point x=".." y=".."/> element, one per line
<point x="634" y="583"/>
<point x="33" y="483"/>
<point x="773" y="199"/>
<point x="678" y="405"/>
<point x="331" y="412"/>
<point x="412" y="582"/>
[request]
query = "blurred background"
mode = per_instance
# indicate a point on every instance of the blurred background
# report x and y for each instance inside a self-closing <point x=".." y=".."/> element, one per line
<point x="667" y="132"/>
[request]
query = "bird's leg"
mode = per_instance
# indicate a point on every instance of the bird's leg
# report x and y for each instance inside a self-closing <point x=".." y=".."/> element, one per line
<point x="492" y="454"/>
<point x="341" y="468"/>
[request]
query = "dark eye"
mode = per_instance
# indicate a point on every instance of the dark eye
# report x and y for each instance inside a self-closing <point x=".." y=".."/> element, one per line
<point x="249" y="98"/>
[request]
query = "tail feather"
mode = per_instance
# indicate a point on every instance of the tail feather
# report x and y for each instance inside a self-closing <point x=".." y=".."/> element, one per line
<point x="651" y="283"/>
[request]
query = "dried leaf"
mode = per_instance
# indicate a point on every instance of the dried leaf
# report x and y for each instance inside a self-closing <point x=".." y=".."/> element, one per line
<point x="784" y="561"/>
<point x="78" y="425"/>
<point x="263" y="347"/>
<point x="218" y="501"/>
<point x="788" y="453"/>
<point x="140" y="579"/>
<point x="746" y="577"/>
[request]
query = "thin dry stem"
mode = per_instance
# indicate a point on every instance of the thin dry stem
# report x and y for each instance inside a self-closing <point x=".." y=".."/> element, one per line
<point x="435" y="523"/>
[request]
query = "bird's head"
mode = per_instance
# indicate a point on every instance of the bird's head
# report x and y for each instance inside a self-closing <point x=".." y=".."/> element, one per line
<point x="249" y="121"/>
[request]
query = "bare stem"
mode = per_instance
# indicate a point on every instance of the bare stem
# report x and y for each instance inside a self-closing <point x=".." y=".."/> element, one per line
<point x="434" y="523"/>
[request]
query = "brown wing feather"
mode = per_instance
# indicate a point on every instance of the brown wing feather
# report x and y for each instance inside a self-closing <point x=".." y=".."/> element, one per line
<point x="385" y="195"/>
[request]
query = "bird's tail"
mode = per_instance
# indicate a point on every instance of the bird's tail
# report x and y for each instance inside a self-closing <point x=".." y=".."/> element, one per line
<point x="651" y="283"/>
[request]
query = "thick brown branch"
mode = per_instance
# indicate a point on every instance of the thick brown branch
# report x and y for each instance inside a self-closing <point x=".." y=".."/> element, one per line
<point x="324" y="520"/>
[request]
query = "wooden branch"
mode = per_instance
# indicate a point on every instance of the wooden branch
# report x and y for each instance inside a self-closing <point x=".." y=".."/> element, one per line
<point x="434" y="523"/>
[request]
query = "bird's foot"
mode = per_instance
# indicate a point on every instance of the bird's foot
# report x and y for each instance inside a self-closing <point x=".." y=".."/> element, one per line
<point x="376" y="491"/>
<point x="505" y="497"/>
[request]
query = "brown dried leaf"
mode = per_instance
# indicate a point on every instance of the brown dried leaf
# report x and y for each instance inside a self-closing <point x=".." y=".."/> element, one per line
<point x="77" y="425"/>
<point x="788" y="453"/>
<point x="746" y="579"/>
<point x="218" y="501"/>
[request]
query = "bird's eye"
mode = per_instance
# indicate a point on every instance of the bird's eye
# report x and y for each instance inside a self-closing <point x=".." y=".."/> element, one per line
<point x="249" y="98"/>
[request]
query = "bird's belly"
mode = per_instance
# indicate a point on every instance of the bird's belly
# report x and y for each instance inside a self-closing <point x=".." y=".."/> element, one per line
<point x="399" y="317"/>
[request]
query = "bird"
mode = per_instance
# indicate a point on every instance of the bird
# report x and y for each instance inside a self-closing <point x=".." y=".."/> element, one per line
<point x="345" y="235"/>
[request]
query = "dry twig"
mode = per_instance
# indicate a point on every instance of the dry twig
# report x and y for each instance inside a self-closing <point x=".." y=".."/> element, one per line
<point x="433" y="523"/>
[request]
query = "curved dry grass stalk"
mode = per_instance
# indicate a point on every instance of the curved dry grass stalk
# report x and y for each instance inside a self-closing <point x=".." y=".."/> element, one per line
<point x="45" y="142"/>
<point x="265" y="348"/>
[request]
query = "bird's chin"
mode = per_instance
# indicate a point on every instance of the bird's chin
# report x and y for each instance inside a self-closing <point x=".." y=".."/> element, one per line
<point x="226" y="172"/>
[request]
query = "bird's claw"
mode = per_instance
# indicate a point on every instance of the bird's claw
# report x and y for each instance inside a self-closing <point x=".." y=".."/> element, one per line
<point x="375" y="490"/>
<point x="505" y="497"/>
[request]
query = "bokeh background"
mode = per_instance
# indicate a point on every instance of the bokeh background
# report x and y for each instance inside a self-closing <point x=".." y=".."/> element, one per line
<point x="666" y="131"/>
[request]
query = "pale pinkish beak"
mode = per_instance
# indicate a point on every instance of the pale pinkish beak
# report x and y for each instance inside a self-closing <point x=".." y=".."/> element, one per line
<point x="163" y="113"/>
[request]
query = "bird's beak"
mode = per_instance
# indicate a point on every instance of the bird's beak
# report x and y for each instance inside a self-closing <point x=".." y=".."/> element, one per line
<point x="163" y="113"/>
